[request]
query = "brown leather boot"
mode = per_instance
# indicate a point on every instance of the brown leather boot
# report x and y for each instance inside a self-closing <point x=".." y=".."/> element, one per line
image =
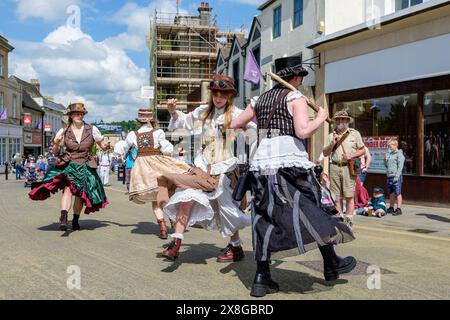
<point x="172" y="251"/>
<point x="63" y="220"/>
<point x="231" y="254"/>
<point x="162" y="229"/>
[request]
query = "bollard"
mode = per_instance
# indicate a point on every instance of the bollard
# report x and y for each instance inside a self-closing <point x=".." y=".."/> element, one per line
<point x="6" y="170"/>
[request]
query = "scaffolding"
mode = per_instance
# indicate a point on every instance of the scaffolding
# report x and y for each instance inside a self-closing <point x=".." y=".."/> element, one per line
<point x="183" y="53"/>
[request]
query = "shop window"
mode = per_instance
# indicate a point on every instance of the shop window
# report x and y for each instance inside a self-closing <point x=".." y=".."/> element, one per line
<point x="2" y="151"/>
<point x="380" y="119"/>
<point x="436" y="160"/>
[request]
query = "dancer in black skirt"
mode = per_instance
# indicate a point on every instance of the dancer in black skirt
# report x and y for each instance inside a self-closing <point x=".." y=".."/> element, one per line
<point x="286" y="210"/>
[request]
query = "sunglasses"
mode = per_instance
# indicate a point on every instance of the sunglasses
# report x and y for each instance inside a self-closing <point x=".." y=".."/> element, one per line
<point x="220" y="84"/>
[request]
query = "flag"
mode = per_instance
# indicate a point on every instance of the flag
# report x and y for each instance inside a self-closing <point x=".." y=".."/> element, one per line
<point x="39" y="125"/>
<point x="4" y="114"/>
<point x="252" y="73"/>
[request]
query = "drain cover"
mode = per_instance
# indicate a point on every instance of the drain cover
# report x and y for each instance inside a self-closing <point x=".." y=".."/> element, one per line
<point x="422" y="231"/>
<point x="360" y="269"/>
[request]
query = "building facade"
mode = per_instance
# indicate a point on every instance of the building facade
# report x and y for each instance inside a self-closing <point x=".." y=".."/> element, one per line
<point x="11" y="141"/>
<point x="392" y="72"/>
<point x="183" y="52"/>
<point x="54" y="113"/>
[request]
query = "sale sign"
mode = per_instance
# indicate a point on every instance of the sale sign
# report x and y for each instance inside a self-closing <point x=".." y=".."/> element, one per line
<point x="378" y="147"/>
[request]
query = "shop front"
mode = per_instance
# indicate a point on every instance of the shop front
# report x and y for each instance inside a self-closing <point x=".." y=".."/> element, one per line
<point x="32" y="143"/>
<point x="417" y="113"/>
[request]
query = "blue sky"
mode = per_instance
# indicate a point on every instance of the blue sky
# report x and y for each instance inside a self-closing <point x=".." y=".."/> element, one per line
<point x="103" y="62"/>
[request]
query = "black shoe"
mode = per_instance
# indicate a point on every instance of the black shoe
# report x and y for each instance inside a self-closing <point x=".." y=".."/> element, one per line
<point x="333" y="265"/>
<point x="75" y="224"/>
<point x="398" y="212"/>
<point x="263" y="284"/>
<point x="390" y="210"/>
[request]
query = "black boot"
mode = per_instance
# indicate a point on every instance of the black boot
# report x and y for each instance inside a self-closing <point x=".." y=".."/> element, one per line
<point x="333" y="265"/>
<point x="75" y="224"/>
<point x="63" y="220"/>
<point x="263" y="283"/>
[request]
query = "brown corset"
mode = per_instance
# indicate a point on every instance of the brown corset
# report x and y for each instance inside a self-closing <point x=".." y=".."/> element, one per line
<point x="80" y="152"/>
<point x="146" y="144"/>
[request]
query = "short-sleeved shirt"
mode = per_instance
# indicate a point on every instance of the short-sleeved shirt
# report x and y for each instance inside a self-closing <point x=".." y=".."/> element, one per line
<point x="351" y="144"/>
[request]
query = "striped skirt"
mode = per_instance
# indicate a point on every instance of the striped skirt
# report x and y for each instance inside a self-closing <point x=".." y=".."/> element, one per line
<point x="287" y="218"/>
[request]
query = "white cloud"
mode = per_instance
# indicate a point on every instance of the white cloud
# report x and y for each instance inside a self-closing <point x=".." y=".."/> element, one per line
<point x="49" y="10"/>
<point x="71" y="66"/>
<point x="137" y="20"/>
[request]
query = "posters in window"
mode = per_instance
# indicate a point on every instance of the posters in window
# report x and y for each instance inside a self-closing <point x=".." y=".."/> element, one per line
<point x="378" y="147"/>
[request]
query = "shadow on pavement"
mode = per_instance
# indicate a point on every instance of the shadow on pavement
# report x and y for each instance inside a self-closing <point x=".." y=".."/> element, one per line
<point x="197" y="253"/>
<point x="86" y="225"/>
<point x="290" y="281"/>
<point x="434" y="217"/>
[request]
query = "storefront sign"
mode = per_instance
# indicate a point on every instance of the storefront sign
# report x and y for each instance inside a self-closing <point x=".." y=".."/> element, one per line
<point x="47" y="127"/>
<point x="378" y="147"/>
<point x="27" y="138"/>
<point x="37" y="138"/>
<point x="27" y="119"/>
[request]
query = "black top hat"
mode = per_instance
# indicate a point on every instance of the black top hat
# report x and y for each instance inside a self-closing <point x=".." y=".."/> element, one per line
<point x="290" y="66"/>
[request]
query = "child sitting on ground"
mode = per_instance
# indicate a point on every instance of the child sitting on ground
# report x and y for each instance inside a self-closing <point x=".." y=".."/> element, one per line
<point x="377" y="205"/>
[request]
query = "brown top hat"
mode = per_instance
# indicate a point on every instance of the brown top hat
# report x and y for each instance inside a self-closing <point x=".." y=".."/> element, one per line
<point x="222" y="83"/>
<point x="145" y="115"/>
<point x="342" y="114"/>
<point x="76" y="107"/>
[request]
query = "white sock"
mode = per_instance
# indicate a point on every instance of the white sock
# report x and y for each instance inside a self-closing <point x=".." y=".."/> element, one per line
<point x="236" y="243"/>
<point x="177" y="236"/>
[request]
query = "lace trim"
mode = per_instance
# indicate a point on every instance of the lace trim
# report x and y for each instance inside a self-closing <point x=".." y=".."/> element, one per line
<point x="283" y="161"/>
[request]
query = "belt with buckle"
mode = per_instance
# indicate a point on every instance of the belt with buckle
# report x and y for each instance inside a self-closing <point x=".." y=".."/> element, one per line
<point x="340" y="164"/>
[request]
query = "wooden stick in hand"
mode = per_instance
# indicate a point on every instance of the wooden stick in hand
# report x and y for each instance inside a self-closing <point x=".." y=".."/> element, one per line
<point x="310" y="103"/>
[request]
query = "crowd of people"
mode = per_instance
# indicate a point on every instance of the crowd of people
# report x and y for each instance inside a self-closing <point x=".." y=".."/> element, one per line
<point x="350" y="161"/>
<point x="295" y="208"/>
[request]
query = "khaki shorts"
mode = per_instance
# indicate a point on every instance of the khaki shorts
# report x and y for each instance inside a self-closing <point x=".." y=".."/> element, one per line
<point x="342" y="183"/>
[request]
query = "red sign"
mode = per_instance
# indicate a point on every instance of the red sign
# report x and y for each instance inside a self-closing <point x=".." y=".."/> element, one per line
<point x="47" y="127"/>
<point x="377" y="142"/>
<point x="27" y="120"/>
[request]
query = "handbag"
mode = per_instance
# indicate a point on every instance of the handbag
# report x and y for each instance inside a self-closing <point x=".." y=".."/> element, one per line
<point x="245" y="175"/>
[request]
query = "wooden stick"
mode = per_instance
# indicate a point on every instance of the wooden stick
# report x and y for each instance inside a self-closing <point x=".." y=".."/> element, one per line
<point x="310" y="103"/>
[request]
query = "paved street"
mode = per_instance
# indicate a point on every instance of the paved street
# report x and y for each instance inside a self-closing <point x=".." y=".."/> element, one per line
<point x="118" y="247"/>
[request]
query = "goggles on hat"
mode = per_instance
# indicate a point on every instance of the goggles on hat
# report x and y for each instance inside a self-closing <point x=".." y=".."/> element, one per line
<point x="219" y="83"/>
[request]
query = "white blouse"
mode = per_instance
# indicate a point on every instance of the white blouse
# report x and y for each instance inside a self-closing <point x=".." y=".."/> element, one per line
<point x="293" y="95"/>
<point x="95" y="132"/>
<point x="220" y="162"/>
<point x="159" y="138"/>
<point x="282" y="151"/>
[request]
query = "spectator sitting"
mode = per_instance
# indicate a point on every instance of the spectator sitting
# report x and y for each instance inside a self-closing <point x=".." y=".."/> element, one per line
<point x="377" y="205"/>
<point x="361" y="197"/>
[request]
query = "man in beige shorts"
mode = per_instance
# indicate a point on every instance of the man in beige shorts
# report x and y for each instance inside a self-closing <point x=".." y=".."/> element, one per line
<point x="342" y="182"/>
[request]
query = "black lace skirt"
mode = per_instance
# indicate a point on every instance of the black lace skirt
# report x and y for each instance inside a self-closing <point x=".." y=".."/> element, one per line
<point x="287" y="217"/>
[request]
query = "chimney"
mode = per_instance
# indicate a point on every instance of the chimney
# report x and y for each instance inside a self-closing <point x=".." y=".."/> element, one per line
<point x="205" y="14"/>
<point x="35" y="83"/>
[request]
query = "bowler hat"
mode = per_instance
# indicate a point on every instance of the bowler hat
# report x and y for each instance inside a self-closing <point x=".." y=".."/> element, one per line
<point x="145" y="115"/>
<point x="76" y="107"/>
<point x="222" y="83"/>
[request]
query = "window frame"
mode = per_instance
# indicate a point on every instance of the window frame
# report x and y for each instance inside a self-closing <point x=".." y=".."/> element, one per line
<point x="298" y="11"/>
<point x="274" y="23"/>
